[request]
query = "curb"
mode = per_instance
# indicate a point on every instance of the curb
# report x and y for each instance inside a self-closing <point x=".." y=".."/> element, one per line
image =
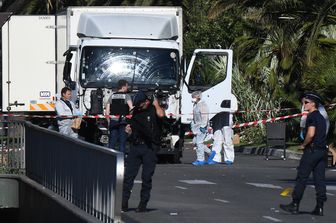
<point x="272" y="152"/>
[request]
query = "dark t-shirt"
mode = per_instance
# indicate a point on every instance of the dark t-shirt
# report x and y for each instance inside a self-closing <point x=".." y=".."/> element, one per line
<point x="146" y="126"/>
<point x="316" y="119"/>
<point x="220" y="120"/>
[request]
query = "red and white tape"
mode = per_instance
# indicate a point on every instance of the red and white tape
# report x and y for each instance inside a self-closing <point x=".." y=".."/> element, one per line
<point x="264" y="121"/>
<point x="254" y="123"/>
<point x="64" y="116"/>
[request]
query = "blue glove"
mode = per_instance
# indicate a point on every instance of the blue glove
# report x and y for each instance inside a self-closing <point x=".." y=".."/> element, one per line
<point x="301" y="135"/>
<point x="203" y="130"/>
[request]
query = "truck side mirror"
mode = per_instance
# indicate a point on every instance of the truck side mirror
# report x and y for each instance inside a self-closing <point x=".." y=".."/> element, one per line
<point x="67" y="71"/>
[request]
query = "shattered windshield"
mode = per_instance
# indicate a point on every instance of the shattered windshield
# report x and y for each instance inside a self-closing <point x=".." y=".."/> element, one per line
<point x="104" y="66"/>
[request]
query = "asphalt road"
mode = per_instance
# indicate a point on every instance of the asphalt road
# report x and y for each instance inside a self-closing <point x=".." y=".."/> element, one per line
<point x="248" y="191"/>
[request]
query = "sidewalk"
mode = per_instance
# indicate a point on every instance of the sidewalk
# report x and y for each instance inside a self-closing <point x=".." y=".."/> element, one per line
<point x="272" y="152"/>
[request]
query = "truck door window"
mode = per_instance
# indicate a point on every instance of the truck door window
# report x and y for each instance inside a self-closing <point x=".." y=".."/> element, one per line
<point x="208" y="70"/>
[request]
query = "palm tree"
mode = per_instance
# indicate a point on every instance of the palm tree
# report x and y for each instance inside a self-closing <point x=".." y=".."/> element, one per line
<point x="282" y="38"/>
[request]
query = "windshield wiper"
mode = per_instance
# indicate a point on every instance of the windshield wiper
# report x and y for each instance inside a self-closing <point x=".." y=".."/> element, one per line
<point x="135" y="60"/>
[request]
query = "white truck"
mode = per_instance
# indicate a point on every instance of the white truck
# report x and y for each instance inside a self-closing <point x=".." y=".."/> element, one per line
<point x="90" y="48"/>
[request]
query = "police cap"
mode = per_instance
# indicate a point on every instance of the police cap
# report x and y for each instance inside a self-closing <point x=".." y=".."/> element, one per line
<point x="314" y="97"/>
<point x="139" y="97"/>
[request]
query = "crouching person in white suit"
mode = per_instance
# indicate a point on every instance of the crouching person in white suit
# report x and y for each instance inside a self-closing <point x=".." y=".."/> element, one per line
<point x="65" y="107"/>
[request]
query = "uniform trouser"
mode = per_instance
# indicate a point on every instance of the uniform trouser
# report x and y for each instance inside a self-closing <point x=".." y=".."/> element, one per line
<point x="139" y="154"/>
<point x="311" y="161"/>
<point x="200" y="147"/>
<point x="117" y="133"/>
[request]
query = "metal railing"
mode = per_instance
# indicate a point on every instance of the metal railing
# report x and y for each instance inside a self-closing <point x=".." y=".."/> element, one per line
<point x="87" y="175"/>
<point x="12" y="143"/>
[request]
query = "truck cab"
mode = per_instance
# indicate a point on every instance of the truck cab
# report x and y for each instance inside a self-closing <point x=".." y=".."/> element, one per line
<point x="90" y="48"/>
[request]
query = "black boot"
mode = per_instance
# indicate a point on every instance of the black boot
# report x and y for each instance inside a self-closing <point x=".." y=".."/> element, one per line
<point x="142" y="207"/>
<point x="318" y="210"/>
<point x="293" y="207"/>
<point x="124" y="206"/>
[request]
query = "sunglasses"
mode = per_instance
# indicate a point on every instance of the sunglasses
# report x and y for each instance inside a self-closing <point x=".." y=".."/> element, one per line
<point x="306" y="102"/>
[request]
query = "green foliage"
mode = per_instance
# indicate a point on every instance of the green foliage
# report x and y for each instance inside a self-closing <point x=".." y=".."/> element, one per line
<point x="250" y="99"/>
<point x="200" y="31"/>
<point x="321" y="78"/>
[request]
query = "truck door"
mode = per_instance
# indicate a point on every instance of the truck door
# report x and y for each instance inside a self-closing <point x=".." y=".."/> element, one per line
<point x="28" y="60"/>
<point x="209" y="71"/>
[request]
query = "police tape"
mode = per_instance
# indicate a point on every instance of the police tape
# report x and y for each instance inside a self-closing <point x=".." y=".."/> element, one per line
<point x="329" y="106"/>
<point x="259" y="122"/>
<point x="130" y="116"/>
<point x="66" y="116"/>
<point x="264" y="121"/>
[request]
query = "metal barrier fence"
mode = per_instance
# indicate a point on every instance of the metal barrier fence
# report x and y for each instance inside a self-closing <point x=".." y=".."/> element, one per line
<point x="12" y="143"/>
<point x="87" y="175"/>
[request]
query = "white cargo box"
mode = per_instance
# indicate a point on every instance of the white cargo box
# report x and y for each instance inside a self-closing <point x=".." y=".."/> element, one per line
<point x="28" y="63"/>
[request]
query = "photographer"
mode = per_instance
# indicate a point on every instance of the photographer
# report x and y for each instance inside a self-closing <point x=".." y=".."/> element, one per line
<point x="144" y="130"/>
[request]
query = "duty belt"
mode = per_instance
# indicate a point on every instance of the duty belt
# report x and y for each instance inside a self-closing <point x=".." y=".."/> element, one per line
<point x="313" y="147"/>
<point x="139" y="141"/>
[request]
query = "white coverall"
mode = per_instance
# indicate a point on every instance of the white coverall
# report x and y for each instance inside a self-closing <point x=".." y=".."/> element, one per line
<point x="64" y="125"/>
<point x="200" y="119"/>
<point x="223" y="137"/>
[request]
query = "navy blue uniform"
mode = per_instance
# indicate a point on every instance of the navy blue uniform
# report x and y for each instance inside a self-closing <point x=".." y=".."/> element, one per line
<point x="145" y="142"/>
<point x="313" y="160"/>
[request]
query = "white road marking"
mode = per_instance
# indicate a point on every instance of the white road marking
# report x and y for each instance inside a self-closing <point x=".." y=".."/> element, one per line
<point x="183" y="188"/>
<point x="272" y="219"/>
<point x="196" y="182"/>
<point x="329" y="194"/>
<point x="331" y="187"/>
<point x="138" y="182"/>
<point x="328" y="187"/>
<point x="333" y="170"/>
<point x="223" y="201"/>
<point x="265" y="185"/>
<point x="275" y="210"/>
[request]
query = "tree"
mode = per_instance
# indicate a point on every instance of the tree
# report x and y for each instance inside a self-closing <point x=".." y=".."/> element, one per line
<point x="200" y="31"/>
<point x="281" y="39"/>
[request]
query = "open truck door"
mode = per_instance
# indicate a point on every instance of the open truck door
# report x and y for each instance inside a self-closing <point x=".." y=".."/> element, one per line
<point x="209" y="71"/>
<point x="28" y="64"/>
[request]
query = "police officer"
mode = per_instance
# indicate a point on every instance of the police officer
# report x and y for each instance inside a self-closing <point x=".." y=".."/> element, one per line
<point x="118" y="106"/>
<point x="144" y="130"/>
<point x="313" y="158"/>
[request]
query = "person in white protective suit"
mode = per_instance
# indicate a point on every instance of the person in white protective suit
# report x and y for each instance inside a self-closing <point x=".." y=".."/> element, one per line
<point x="199" y="127"/>
<point x="223" y="134"/>
<point x="65" y="107"/>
